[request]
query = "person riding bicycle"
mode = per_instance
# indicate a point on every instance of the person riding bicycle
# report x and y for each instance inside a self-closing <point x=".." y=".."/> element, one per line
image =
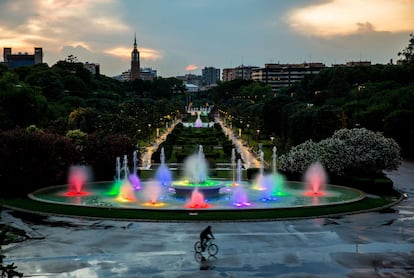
<point x="204" y="237"/>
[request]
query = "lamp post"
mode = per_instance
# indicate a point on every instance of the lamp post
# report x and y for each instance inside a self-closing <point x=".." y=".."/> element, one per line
<point x="149" y="134"/>
<point x="241" y="129"/>
<point x="360" y="88"/>
<point x="248" y="134"/>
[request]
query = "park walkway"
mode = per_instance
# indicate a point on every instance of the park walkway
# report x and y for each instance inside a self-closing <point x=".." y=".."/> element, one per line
<point x="250" y="160"/>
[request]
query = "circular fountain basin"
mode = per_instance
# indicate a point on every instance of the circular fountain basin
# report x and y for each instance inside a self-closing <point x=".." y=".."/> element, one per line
<point x="293" y="195"/>
<point x="209" y="188"/>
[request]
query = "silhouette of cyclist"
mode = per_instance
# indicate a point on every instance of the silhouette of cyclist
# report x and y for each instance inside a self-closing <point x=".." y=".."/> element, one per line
<point x="205" y="236"/>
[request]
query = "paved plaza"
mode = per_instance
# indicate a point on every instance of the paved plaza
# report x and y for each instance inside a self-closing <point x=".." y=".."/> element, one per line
<point x="376" y="244"/>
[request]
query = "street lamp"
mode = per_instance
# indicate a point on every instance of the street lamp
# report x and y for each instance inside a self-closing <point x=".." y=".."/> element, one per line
<point x="257" y="139"/>
<point x="149" y="134"/>
<point x="248" y="134"/>
<point x="360" y="88"/>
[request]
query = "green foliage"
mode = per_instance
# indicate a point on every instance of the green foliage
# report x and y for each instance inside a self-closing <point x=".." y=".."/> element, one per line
<point x="399" y="125"/>
<point x="77" y="135"/>
<point x="408" y="52"/>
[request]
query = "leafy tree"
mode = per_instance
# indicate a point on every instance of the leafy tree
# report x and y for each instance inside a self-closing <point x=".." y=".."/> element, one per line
<point x="399" y="125"/>
<point x="48" y="81"/>
<point x="408" y="52"/>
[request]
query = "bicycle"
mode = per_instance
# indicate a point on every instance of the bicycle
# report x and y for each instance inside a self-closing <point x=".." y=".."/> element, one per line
<point x="211" y="247"/>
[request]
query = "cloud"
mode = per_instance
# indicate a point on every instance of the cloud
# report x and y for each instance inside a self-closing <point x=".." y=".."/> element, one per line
<point x="346" y="17"/>
<point x="191" y="67"/>
<point x="125" y="53"/>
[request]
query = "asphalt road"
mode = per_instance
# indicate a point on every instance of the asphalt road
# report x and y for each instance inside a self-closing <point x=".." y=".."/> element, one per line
<point x="377" y="244"/>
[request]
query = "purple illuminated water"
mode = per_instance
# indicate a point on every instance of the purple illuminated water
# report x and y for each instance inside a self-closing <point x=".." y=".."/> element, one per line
<point x="198" y="122"/>
<point x="163" y="174"/>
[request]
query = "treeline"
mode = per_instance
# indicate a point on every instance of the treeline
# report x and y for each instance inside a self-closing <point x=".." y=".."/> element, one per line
<point x="67" y="96"/>
<point x="377" y="97"/>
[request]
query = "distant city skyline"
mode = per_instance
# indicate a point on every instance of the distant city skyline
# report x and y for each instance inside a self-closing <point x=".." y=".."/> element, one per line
<point x="183" y="36"/>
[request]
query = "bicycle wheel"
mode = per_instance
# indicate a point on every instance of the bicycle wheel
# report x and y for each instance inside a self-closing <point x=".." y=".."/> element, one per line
<point x="212" y="249"/>
<point x="197" y="247"/>
<point x="198" y="256"/>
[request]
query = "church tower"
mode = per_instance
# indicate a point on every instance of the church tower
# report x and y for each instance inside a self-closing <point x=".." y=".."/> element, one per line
<point x="135" y="67"/>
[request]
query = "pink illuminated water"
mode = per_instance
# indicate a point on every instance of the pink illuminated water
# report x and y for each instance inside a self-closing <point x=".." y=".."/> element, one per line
<point x="315" y="180"/>
<point x="152" y="192"/>
<point x="126" y="192"/>
<point x="78" y="177"/>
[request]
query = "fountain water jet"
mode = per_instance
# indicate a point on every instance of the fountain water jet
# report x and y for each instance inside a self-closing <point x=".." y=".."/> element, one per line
<point x="195" y="172"/>
<point x="239" y="196"/>
<point x="152" y="192"/>
<point x="196" y="200"/>
<point x="195" y="167"/>
<point x="198" y="122"/>
<point x="163" y="174"/>
<point x="126" y="192"/>
<point x="78" y="177"/>
<point x="133" y="178"/>
<point x="233" y="165"/>
<point x="315" y="180"/>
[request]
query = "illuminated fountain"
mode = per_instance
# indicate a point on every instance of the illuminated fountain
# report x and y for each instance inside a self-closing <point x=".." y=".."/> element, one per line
<point x="152" y="192"/>
<point x="233" y="166"/>
<point x="163" y="174"/>
<point x="198" y="122"/>
<point x="239" y="197"/>
<point x="78" y="177"/>
<point x="126" y="192"/>
<point x="315" y="180"/>
<point x="133" y="178"/>
<point x="198" y="192"/>
<point x="195" y="172"/>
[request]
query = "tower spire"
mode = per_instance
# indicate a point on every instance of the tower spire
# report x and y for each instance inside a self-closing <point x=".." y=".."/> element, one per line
<point x="135" y="65"/>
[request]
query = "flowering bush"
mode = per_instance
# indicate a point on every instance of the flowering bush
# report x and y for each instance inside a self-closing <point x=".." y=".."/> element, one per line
<point x="370" y="151"/>
<point x="348" y="151"/>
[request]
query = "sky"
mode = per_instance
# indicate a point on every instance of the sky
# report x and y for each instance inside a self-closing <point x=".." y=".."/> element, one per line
<point x="176" y="37"/>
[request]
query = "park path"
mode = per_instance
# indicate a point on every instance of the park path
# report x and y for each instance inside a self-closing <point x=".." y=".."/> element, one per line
<point x="250" y="159"/>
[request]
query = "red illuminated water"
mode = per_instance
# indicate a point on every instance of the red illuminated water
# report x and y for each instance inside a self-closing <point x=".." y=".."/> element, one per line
<point x="75" y="193"/>
<point x="78" y="177"/>
<point x="197" y="200"/>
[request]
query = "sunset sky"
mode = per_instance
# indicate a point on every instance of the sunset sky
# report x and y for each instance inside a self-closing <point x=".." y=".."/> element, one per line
<point x="176" y="37"/>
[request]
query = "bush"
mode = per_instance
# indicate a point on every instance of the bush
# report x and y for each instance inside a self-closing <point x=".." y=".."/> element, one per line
<point x="31" y="160"/>
<point x="348" y="152"/>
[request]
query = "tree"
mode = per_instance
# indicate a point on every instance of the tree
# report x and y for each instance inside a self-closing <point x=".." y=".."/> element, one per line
<point x="408" y="52"/>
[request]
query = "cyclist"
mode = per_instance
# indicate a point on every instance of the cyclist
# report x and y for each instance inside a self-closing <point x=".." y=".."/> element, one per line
<point x="205" y="236"/>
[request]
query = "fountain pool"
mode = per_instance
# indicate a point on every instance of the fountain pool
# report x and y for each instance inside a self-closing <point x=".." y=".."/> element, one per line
<point x="196" y="191"/>
<point x="230" y="197"/>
